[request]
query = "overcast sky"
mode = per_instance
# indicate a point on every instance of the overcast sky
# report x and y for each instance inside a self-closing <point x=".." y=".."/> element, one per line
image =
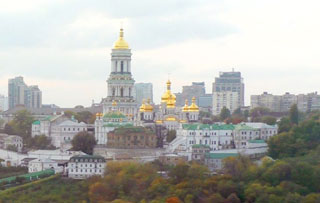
<point x="64" y="46"/>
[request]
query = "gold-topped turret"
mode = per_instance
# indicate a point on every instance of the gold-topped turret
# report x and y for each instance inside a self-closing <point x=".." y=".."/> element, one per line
<point x="193" y="107"/>
<point x="185" y="108"/>
<point x="168" y="95"/>
<point x="148" y="106"/>
<point x="121" y="43"/>
<point x="114" y="103"/>
<point x="143" y="106"/>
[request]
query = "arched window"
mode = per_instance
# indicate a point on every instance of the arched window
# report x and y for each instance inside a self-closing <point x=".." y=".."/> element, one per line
<point x="121" y="66"/>
<point x="121" y="92"/>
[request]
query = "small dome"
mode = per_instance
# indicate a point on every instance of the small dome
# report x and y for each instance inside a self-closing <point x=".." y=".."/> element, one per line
<point x="185" y="107"/>
<point x="143" y="106"/>
<point x="121" y="43"/>
<point x="193" y="107"/>
<point x="148" y="106"/>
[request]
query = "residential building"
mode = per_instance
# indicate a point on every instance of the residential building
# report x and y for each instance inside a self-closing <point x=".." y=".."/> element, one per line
<point x="41" y="164"/>
<point x="11" y="140"/>
<point x="143" y="91"/>
<point x="3" y="103"/>
<point x="84" y="166"/>
<point x="196" y="89"/>
<point x="227" y="99"/>
<point x="22" y="94"/>
<point x="229" y="85"/>
<point x="282" y="103"/>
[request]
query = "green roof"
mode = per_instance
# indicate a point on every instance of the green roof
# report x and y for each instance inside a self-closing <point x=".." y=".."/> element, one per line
<point x="114" y="115"/>
<point x="257" y="141"/>
<point x="243" y="127"/>
<point x="36" y="123"/>
<point x="199" y="126"/>
<point x="124" y="124"/>
<point x="28" y="175"/>
<point x="200" y="146"/>
<point x="220" y="155"/>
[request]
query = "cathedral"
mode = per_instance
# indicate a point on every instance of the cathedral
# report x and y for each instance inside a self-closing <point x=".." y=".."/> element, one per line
<point x="168" y="115"/>
<point x="120" y="108"/>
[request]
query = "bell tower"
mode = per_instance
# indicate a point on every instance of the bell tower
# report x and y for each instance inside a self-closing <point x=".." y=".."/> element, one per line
<point x="120" y="81"/>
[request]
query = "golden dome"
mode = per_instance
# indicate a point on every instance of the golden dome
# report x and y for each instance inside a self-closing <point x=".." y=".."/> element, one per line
<point x="148" y="106"/>
<point x="171" y="118"/>
<point x="185" y="107"/>
<point x="114" y="103"/>
<point x="143" y="106"/>
<point x="121" y="43"/>
<point x="168" y="95"/>
<point x="193" y="107"/>
<point x="171" y="103"/>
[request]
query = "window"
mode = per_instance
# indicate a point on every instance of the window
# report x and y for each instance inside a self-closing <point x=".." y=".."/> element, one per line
<point x="121" y="92"/>
<point x="121" y="67"/>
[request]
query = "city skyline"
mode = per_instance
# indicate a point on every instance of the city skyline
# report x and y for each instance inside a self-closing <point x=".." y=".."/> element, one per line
<point x="273" y="46"/>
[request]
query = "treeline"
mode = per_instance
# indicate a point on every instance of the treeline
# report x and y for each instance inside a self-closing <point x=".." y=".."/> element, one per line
<point x="291" y="175"/>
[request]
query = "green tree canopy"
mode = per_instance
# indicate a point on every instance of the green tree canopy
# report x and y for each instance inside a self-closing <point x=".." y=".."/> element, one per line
<point x="225" y="113"/>
<point x="294" y="114"/>
<point x="84" y="142"/>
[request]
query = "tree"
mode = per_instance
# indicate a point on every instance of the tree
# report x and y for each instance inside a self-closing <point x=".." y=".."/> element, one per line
<point x="171" y="135"/>
<point x="270" y="120"/>
<point x="84" y="116"/>
<point x="84" y="142"/>
<point x="22" y="123"/>
<point x="224" y="114"/>
<point x="40" y="142"/>
<point x="8" y="129"/>
<point x="284" y="125"/>
<point x="294" y="114"/>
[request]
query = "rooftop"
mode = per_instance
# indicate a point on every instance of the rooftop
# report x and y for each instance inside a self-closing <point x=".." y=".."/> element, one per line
<point x="220" y="155"/>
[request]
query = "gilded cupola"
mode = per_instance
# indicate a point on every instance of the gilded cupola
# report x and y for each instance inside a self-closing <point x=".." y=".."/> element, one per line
<point x="185" y="108"/>
<point x="193" y="107"/>
<point x="121" y="43"/>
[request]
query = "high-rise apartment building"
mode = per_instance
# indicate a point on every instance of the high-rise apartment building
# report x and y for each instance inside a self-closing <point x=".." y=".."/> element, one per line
<point x="21" y="94"/>
<point x="3" y="103"/>
<point x="143" y="91"/>
<point x="196" y="89"/>
<point x="227" y="91"/>
<point x="282" y="103"/>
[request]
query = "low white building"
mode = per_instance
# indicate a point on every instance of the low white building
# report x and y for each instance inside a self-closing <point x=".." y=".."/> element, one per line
<point x="11" y="140"/>
<point x="57" y="154"/>
<point x="59" y="128"/>
<point x="84" y="166"/>
<point x="220" y="136"/>
<point x="37" y="165"/>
